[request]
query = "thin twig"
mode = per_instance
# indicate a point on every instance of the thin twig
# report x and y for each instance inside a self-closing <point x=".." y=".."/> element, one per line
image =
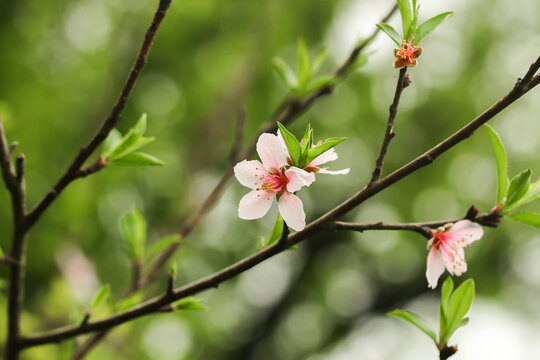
<point x="490" y="219"/>
<point x="389" y="133"/>
<point x="155" y="304"/>
<point x="290" y="109"/>
<point x="73" y="171"/>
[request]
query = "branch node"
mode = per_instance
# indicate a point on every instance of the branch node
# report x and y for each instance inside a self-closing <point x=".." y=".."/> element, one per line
<point x="13" y="146"/>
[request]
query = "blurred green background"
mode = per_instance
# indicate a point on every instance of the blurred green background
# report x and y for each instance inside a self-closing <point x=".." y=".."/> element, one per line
<point x="62" y="66"/>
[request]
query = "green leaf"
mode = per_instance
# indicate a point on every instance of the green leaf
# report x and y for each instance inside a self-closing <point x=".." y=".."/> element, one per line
<point x="191" y="303"/>
<point x="416" y="321"/>
<point x="391" y="32"/>
<point x="133" y="227"/>
<point x="276" y="233"/>
<point x="173" y="270"/>
<point x="1" y="252"/>
<point x="286" y="74"/>
<point x="518" y="188"/>
<point x="101" y="297"/>
<point x="130" y="301"/>
<point x="162" y="244"/>
<point x="429" y="25"/>
<point x="533" y="193"/>
<point x="462" y="323"/>
<point x="137" y="159"/>
<point x="526" y="217"/>
<point x="320" y="82"/>
<point x="305" y="145"/>
<point x="129" y="144"/>
<point x="114" y="138"/>
<point x="460" y="303"/>
<point x="325" y="146"/>
<point x="406" y="16"/>
<point x="305" y="71"/>
<point x="318" y="60"/>
<point x="293" y="146"/>
<point x="446" y="291"/>
<point x="501" y="160"/>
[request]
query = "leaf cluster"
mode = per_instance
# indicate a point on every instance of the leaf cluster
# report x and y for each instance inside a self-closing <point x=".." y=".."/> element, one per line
<point x="303" y="152"/>
<point x="121" y="149"/>
<point x="304" y="80"/>
<point x="515" y="193"/>
<point x="454" y="307"/>
<point x="409" y="19"/>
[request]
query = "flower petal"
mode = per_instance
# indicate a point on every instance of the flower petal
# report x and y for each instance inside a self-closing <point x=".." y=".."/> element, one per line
<point x="336" y="172"/>
<point x="255" y="204"/>
<point x="298" y="178"/>
<point x="465" y="232"/>
<point x="272" y="152"/>
<point x="328" y="155"/>
<point x="249" y="173"/>
<point x="435" y="267"/>
<point x="292" y="211"/>
<point x="454" y="258"/>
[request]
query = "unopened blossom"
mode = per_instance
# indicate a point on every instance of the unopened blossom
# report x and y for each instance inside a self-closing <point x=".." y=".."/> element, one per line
<point x="446" y="249"/>
<point x="406" y="54"/>
<point x="269" y="178"/>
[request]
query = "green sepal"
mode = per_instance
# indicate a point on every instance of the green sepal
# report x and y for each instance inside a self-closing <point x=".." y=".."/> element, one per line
<point x="190" y="303"/>
<point x="391" y="32"/>
<point x="416" y="320"/>
<point x="133" y="226"/>
<point x="429" y="25"/>
<point x="293" y="146"/>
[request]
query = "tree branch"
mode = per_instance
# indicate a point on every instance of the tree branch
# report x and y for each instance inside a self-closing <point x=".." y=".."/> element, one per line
<point x="389" y="134"/>
<point x="74" y="171"/>
<point x="323" y="222"/>
<point x="290" y="109"/>
<point x="13" y="178"/>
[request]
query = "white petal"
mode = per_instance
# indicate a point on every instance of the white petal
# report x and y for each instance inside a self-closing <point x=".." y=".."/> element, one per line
<point x="454" y="258"/>
<point x="298" y="178"/>
<point x="272" y="152"/>
<point x="328" y="155"/>
<point x="336" y="172"/>
<point x="255" y="204"/>
<point x="249" y="173"/>
<point x="292" y="211"/>
<point x="435" y="267"/>
<point x="466" y="232"/>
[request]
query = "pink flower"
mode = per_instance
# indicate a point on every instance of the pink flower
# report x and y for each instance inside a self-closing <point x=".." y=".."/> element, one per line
<point x="446" y="249"/>
<point x="273" y="177"/>
<point x="406" y="54"/>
